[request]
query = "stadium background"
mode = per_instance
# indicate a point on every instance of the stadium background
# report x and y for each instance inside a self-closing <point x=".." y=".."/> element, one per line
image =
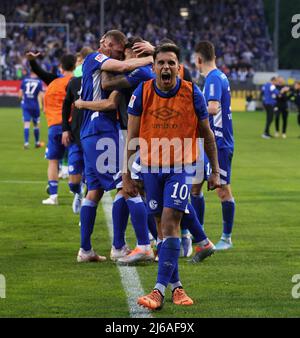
<point x="255" y="278"/>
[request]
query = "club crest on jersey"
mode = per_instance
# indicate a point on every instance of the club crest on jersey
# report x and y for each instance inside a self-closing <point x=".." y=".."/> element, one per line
<point x="101" y="57"/>
<point x="153" y="204"/>
<point x="131" y="102"/>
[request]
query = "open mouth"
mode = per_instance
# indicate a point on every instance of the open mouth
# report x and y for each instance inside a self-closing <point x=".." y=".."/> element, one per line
<point x="166" y="77"/>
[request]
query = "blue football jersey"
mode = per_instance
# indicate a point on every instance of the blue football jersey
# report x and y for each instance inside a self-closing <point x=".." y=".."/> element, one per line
<point x="269" y="93"/>
<point x="31" y="88"/>
<point x="216" y="88"/>
<point x="139" y="75"/>
<point x="95" y="122"/>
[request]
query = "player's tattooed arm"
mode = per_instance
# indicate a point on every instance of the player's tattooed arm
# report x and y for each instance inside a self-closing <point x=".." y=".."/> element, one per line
<point x="101" y="105"/>
<point x="129" y="185"/>
<point x="211" y="152"/>
<point x="111" y="82"/>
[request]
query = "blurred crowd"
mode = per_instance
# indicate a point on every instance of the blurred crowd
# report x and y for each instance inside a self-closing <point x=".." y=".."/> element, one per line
<point x="236" y="27"/>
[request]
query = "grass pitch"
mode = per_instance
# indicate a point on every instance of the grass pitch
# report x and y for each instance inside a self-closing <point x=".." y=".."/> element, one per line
<point x="39" y="244"/>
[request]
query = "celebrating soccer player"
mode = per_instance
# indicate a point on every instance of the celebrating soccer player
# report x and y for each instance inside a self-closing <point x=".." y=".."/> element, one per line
<point x="163" y="111"/>
<point x="217" y="95"/>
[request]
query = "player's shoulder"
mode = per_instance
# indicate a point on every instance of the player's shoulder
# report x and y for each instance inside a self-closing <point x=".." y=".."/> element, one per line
<point x="95" y="57"/>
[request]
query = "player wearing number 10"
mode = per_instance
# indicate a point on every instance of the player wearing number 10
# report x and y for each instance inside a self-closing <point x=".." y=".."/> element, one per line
<point x="168" y="109"/>
<point x="31" y="95"/>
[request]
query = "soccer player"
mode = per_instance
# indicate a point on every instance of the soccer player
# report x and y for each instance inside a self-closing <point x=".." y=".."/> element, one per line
<point x="71" y="133"/>
<point x="217" y="95"/>
<point x="204" y="247"/>
<point x="295" y="97"/>
<point x="269" y="93"/>
<point x="281" y="108"/>
<point x="141" y="47"/>
<point x="165" y="109"/>
<point x="31" y="94"/>
<point x="53" y="101"/>
<point x="97" y="128"/>
<point x="123" y="204"/>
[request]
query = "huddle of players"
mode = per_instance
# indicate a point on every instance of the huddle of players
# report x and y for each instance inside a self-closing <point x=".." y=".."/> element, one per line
<point x="275" y="96"/>
<point x="164" y="205"/>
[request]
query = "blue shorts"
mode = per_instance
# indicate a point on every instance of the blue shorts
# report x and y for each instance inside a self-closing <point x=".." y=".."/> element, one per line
<point x="225" y="159"/>
<point x="170" y="190"/>
<point x="75" y="159"/>
<point x="33" y="114"/>
<point x="102" y="162"/>
<point x="55" y="149"/>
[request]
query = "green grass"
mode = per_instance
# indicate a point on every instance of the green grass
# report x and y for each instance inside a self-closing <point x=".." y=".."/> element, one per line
<point x="38" y="244"/>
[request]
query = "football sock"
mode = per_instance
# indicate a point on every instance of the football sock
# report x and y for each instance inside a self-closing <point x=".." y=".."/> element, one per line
<point x="26" y="135"/>
<point x="120" y="214"/>
<point x="53" y="187"/>
<point x="191" y="222"/>
<point x="161" y="288"/>
<point x="168" y="260"/>
<point x="75" y="188"/>
<point x="176" y="285"/>
<point x="36" y="132"/>
<point x="158" y="245"/>
<point x="138" y="214"/>
<point x="175" y="275"/>
<point x="198" y="202"/>
<point x="228" y="208"/>
<point x="87" y="218"/>
<point x="152" y="225"/>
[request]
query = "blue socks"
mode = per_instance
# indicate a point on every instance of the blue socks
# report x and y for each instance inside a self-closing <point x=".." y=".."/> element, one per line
<point x="228" y="208"/>
<point x="53" y="187"/>
<point x="26" y="135"/>
<point x="152" y="226"/>
<point x="87" y="218"/>
<point x="75" y="188"/>
<point x="120" y="214"/>
<point x="36" y="132"/>
<point x="168" y="260"/>
<point x="198" y="202"/>
<point x="138" y="215"/>
<point x="190" y="221"/>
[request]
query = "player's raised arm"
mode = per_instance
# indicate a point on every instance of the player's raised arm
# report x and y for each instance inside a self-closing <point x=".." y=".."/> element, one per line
<point x="117" y="66"/>
<point x="101" y="105"/>
<point x="143" y="47"/>
<point x="47" y="77"/>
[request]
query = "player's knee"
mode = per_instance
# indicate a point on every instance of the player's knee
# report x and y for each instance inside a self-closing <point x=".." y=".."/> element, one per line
<point x="196" y="189"/>
<point x="94" y="195"/>
<point x="224" y="193"/>
<point x="170" y="222"/>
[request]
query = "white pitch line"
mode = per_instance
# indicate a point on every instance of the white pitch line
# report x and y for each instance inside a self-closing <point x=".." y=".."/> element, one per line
<point x="23" y="182"/>
<point x="129" y="275"/>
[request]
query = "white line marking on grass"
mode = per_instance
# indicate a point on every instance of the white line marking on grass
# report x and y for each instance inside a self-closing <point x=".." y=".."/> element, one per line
<point x="129" y="275"/>
<point x="23" y="182"/>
